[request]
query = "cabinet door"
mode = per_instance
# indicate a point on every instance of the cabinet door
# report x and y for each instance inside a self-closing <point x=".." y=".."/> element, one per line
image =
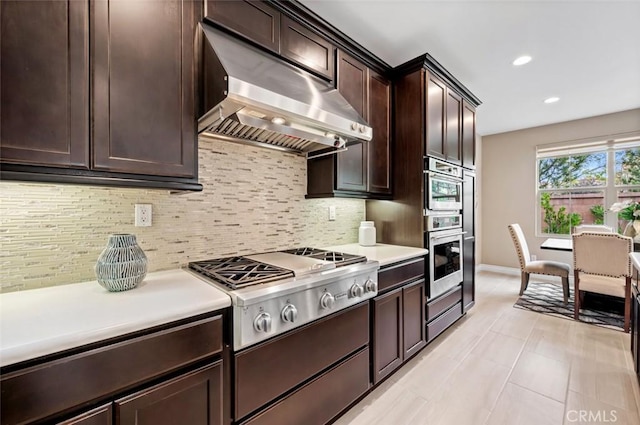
<point x="453" y="119"/>
<point x="194" y="398"/>
<point x="102" y="415"/>
<point x="143" y="91"/>
<point x="255" y="20"/>
<point x="352" y="79"/>
<point x="413" y="318"/>
<point x="387" y="334"/>
<point x="635" y="326"/>
<point x="468" y="135"/>
<point x="435" y="116"/>
<point x="307" y="48"/>
<point x="469" y="241"/>
<point x="44" y="83"/>
<point x="379" y="148"/>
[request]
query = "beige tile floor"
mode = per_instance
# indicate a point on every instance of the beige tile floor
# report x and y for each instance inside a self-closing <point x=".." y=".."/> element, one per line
<point x="502" y="365"/>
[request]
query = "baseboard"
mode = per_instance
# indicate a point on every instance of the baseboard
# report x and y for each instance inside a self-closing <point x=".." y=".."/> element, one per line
<point x="513" y="271"/>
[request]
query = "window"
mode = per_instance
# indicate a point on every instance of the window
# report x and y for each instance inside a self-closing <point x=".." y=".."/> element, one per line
<point x="578" y="182"/>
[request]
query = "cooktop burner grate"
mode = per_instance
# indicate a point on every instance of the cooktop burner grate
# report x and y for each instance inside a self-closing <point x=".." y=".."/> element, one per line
<point x="237" y="272"/>
<point x="339" y="258"/>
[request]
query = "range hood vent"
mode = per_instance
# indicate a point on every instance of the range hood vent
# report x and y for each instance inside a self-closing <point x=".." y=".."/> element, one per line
<point x="252" y="97"/>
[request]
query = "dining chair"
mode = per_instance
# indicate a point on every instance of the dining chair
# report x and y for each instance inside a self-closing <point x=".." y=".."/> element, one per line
<point x="592" y="228"/>
<point x="544" y="267"/>
<point x="601" y="264"/>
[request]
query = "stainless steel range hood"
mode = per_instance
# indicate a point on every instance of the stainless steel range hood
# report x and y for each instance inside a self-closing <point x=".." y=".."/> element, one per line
<point x="252" y="97"/>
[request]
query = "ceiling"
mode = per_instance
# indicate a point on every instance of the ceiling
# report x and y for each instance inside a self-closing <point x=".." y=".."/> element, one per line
<point x="587" y="53"/>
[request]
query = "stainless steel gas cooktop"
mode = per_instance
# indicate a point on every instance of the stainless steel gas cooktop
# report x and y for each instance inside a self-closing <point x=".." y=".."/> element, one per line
<point x="275" y="292"/>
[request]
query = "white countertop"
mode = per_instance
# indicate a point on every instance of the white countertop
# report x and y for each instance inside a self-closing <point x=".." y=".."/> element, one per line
<point x="385" y="254"/>
<point x="43" y="321"/>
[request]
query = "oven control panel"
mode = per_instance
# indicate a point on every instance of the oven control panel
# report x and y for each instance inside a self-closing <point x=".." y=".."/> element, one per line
<point x="260" y="321"/>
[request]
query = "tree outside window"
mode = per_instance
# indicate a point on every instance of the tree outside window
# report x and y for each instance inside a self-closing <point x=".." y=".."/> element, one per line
<point x="573" y="189"/>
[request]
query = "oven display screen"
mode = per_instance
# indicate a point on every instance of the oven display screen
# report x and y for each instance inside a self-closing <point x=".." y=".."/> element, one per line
<point x="446" y="258"/>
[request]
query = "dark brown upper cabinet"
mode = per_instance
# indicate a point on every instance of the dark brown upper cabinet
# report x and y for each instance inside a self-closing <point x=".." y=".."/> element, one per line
<point x="264" y="25"/>
<point x="364" y="170"/>
<point x="83" y="103"/>
<point x="254" y="20"/>
<point x="305" y="47"/>
<point x="468" y="135"/>
<point x="436" y="101"/>
<point x="444" y="119"/>
<point x="379" y="148"/>
<point x="143" y="92"/>
<point x="353" y="84"/>
<point x="44" y="74"/>
<point x="453" y="119"/>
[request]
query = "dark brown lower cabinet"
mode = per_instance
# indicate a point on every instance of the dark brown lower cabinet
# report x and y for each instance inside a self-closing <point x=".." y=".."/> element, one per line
<point x="267" y="371"/>
<point x="469" y="240"/>
<point x="413" y="318"/>
<point x="102" y="415"/>
<point x="635" y="328"/>
<point x="439" y="325"/>
<point x="387" y="334"/>
<point x="194" y="398"/>
<point x="398" y="328"/>
<point x="142" y="379"/>
<point x="320" y="400"/>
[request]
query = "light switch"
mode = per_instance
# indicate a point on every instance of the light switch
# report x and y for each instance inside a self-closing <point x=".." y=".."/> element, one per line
<point x="332" y="213"/>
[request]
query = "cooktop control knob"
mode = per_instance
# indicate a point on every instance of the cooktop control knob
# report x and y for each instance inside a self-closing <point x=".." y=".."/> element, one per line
<point x="327" y="300"/>
<point x="262" y="322"/>
<point x="356" y="290"/>
<point x="370" y="286"/>
<point x="289" y="313"/>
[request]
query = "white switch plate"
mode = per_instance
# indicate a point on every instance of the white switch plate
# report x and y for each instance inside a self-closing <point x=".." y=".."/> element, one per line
<point x="332" y="213"/>
<point x="143" y="215"/>
<point x="534" y="257"/>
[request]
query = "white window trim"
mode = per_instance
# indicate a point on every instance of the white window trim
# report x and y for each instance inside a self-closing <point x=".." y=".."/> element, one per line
<point x="575" y="147"/>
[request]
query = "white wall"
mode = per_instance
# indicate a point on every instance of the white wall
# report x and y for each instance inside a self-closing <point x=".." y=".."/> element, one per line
<point x="508" y="176"/>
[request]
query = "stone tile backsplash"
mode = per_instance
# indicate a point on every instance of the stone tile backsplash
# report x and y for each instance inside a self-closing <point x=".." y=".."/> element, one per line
<point x="253" y="201"/>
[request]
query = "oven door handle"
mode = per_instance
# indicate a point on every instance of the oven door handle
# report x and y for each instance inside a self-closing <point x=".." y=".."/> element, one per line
<point x="445" y="177"/>
<point x="448" y="235"/>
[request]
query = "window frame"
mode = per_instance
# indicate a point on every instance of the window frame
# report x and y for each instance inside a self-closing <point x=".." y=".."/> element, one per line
<point x="588" y="146"/>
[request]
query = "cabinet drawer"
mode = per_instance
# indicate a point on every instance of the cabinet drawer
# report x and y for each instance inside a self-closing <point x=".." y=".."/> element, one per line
<point x="323" y="398"/>
<point x="399" y="274"/>
<point x="442" y="304"/>
<point x="274" y="367"/>
<point x="43" y="390"/>
<point x="436" y="327"/>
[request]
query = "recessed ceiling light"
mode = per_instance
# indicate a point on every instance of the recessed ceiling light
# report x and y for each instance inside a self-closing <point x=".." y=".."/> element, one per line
<point x="522" y="60"/>
<point x="278" y="120"/>
<point x="552" y="100"/>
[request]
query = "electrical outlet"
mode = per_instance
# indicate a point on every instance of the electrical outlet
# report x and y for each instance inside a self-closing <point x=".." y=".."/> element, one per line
<point x="332" y="213"/>
<point x="143" y="215"/>
<point x="534" y="257"/>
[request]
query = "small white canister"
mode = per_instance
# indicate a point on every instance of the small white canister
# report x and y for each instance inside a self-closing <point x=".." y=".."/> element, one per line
<point x="367" y="233"/>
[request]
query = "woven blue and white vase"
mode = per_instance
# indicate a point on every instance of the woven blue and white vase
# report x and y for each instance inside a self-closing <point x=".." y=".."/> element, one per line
<point x="122" y="265"/>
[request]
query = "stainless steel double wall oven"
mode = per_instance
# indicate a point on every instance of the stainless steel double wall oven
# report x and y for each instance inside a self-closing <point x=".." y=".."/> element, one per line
<point x="443" y="224"/>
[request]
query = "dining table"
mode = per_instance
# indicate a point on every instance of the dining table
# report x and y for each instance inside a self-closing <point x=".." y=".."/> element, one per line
<point x="557" y="244"/>
<point x="566" y="244"/>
